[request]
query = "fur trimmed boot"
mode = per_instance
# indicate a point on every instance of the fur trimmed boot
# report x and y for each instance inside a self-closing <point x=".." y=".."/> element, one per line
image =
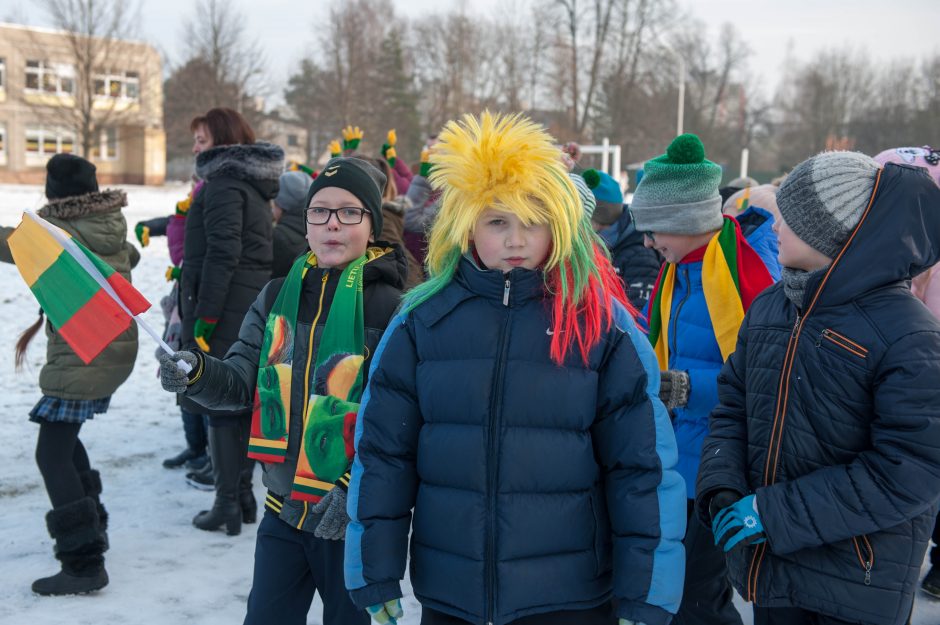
<point x="91" y="482"/>
<point x="79" y="547"/>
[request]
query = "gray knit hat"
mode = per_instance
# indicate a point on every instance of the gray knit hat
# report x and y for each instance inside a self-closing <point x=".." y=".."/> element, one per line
<point x="588" y="203"/>
<point x="679" y="191"/>
<point x="292" y="190"/>
<point x="823" y="198"/>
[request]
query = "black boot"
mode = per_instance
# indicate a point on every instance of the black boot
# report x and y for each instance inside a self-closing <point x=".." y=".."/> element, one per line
<point x="175" y="462"/>
<point x="78" y="547"/>
<point x="91" y="482"/>
<point x="246" y="496"/>
<point x="202" y="479"/>
<point x="225" y="447"/>
<point x="931" y="582"/>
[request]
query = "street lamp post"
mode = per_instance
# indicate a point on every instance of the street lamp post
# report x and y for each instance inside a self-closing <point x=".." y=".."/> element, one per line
<point x="681" y="113"/>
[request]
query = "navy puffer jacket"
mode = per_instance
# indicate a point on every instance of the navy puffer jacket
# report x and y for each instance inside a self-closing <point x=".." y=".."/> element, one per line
<point x="535" y="488"/>
<point x="831" y="414"/>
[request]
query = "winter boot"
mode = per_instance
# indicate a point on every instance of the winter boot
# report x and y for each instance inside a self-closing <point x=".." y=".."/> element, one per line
<point x="931" y="582"/>
<point x="91" y="482"/>
<point x="246" y="497"/>
<point x="78" y="546"/>
<point x="202" y="479"/>
<point x="225" y="447"/>
<point x="175" y="462"/>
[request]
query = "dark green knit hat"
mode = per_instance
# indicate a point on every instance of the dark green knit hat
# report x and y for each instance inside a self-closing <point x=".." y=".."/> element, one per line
<point x="679" y="191"/>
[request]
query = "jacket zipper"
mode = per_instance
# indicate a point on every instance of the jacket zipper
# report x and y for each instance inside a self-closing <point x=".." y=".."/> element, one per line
<point x="776" y="433"/>
<point x="843" y="342"/>
<point x="313" y="330"/>
<point x="866" y="562"/>
<point x="492" y="455"/>
<point x="675" y="320"/>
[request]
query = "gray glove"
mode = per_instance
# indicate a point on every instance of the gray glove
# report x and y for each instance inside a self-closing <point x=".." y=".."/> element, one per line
<point x="333" y="508"/>
<point x="674" y="388"/>
<point x="172" y="378"/>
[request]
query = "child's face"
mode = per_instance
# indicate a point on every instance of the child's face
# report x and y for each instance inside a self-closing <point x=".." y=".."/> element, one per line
<point x="503" y="242"/>
<point x="675" y="247"/>
<point x="794" y="252"/>
<point x="334" y="243"/>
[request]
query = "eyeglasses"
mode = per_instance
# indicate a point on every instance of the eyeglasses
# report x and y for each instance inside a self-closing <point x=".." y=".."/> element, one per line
<point x="348" y="216"/>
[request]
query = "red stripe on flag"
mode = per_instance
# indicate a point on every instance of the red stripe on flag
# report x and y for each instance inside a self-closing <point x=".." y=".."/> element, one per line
<point x="94" y="326"/>
<point x="135" y="302"/>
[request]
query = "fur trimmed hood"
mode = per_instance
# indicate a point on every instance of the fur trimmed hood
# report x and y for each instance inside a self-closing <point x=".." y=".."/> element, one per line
<point x="398" y="206"/>
<point x="99" y="202"/>
<point x="258" y="161"/>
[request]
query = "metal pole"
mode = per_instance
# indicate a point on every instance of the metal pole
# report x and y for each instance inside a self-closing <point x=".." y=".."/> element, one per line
<point x="681" y="113"/>
<point x="744" y="154"/>
<point x="617" y="162"/>
<point x="605" y="157"/>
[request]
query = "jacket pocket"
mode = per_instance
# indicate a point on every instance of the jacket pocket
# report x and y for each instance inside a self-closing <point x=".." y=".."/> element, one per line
<point x="603" y="558"/>
<point x="866" y="555"/>
<point x="831" y="337"/>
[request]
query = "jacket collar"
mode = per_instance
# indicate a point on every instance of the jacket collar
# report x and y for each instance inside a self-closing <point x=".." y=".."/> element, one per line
<point x="258" y="161"/>
<point x="108" y="201"/>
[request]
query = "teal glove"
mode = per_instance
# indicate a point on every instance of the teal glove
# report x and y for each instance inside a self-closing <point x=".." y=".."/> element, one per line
<point x="202" y="332"/>
<point x="737" y="524"/>
<point x="386" y="613"/>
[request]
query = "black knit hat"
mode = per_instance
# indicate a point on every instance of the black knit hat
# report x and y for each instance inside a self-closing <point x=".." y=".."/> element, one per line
<point x="68" y="175"/>
<point x="360" y="178"/>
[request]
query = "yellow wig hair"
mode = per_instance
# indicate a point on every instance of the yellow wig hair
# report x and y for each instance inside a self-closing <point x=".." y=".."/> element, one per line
<point x="506" y="162"/>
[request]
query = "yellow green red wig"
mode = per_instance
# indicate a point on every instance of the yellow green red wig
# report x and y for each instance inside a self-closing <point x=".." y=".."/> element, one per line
<point x="510" y="163"/>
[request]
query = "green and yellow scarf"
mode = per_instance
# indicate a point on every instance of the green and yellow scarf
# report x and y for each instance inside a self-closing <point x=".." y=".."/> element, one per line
<point x="330" y="407"/>
<point x="732" y="276"/>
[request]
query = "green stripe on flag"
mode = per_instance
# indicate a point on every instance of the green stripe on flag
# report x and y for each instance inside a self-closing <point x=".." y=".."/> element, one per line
<point x="105" y="269"/>
<point x="63" y="289"/>
<point x="728" y="242"/>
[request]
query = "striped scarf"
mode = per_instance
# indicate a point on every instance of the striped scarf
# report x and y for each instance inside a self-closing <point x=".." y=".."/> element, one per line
<point x="732" y="276"/>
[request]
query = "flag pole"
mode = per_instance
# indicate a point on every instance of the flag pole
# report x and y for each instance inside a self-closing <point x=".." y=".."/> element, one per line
<point x="89" y="267"/>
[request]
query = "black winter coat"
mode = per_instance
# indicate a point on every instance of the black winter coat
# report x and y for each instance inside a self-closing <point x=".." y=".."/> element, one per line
<point x="831" y="414"/>
<point x="229" y="384"/>
<point x="290" y="241"/>
<point x="228" y="248"/>
<point x="636" y="265"/>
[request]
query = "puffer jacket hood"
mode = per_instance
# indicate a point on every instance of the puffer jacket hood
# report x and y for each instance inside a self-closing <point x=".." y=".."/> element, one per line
<point x="260" y="164"/>
<point x="91" y="215"/>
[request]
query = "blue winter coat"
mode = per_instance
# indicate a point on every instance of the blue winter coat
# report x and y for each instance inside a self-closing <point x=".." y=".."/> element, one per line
<point x="693" y="348"/>
<point x="757" y="227"/>
<point x="535" y="487"/>
<point x="831" y="414"/>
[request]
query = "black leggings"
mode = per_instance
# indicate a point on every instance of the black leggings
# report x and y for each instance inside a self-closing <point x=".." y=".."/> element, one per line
<point x="61" y="457"/>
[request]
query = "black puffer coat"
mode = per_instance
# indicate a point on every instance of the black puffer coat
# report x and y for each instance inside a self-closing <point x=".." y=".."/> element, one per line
<point x="831" y="414"/>
<point x="290" y="241"/>
<point x="228" y="248"/>
<point x="636" y="265"/>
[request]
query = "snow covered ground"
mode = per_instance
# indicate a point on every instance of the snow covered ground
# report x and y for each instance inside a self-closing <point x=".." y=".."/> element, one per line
<point x="162" y="569"/>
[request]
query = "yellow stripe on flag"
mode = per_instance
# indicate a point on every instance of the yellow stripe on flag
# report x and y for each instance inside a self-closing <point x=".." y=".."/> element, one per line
<point x="314" y="483"/>
<point x="263" y="442"/>
<point x="665" y="310"/>
<point x="34" y="250"/>
<point x="722" y="299"/>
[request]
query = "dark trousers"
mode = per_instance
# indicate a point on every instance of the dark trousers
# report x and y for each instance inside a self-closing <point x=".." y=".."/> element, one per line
<point x="195" y="431"/>
<point x="601" y="615"/>
<point x="707" y="594"/>
<point x="290" y="566"/>
<point x="61" y="456"/>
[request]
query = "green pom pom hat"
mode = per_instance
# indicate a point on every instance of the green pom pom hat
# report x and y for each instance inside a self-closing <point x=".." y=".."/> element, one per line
<point x="679" y="191"/>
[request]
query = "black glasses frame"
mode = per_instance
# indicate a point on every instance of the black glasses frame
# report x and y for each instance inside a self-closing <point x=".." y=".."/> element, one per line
<point x="335" y="211"/>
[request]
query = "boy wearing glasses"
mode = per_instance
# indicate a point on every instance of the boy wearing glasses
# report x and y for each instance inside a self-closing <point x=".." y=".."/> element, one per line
<point x="301" y="362"/>
<point x="707" y="283"/>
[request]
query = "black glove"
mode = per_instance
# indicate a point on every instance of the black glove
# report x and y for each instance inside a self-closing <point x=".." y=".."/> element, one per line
<point x="674" y="388"/>
<point x="721" y="500"/>
<point x="174" y="379"/>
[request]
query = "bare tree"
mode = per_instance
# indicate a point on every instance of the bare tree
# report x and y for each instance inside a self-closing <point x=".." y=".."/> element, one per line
<point x="96" y="34"/>
<point x="217" y="34"/>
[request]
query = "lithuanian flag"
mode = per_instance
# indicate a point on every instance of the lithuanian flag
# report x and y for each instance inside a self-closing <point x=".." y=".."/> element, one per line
<point x="85" y="299"/>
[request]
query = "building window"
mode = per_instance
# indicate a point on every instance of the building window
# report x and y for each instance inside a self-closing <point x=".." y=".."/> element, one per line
<point x="52" y="78"/>
<point x="106" y="148"/>
<point x="121" y="85"/>
<point x="3" y="145"/>
<point x="3" y="73"/>
<point x="43" y="142"/>
<point x="292" y="141"/>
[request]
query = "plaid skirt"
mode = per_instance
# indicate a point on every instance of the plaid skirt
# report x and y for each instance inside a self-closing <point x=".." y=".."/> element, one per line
<point x="56" y="410"/>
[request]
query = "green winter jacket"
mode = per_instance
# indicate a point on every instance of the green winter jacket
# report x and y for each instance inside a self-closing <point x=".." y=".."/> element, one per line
<point x="96" y="220"/>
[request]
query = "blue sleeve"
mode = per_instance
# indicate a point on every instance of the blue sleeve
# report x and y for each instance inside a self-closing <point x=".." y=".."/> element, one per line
<point x="764" y="242"/>
<point x="384" y="482"/>
<point x="646" y="496"/>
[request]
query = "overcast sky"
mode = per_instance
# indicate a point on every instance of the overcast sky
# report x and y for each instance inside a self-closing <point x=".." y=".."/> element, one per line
<point x="290" y="29"/>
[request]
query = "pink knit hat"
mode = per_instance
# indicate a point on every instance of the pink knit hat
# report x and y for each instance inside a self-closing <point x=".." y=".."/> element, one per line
<point x="926" y="157"/>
